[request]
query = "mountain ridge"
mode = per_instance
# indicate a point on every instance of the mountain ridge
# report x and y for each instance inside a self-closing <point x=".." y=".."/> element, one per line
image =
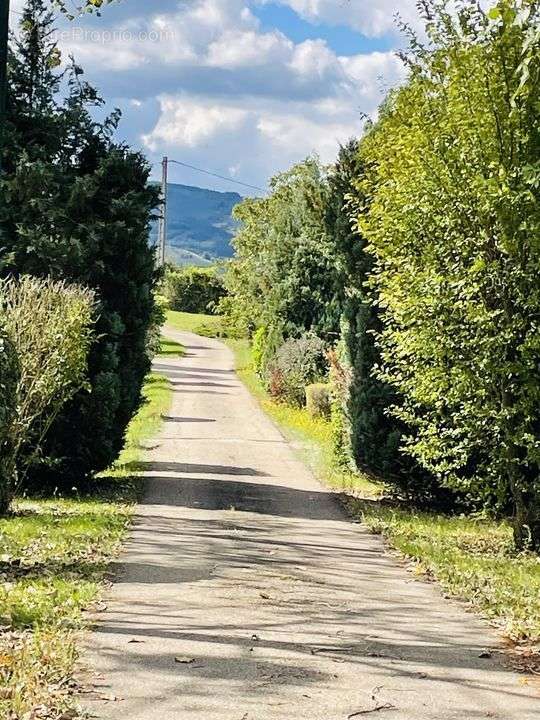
<point x="199" y="223"/>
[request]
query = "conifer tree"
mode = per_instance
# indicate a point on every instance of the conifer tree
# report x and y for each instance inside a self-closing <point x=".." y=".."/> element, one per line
<point x="77" y="206"/>
<point x="368" y="435"/>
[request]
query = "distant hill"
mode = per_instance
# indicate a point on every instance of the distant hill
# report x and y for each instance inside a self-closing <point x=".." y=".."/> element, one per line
<point x="179" y="256"/>
<point x="199" y="224"/>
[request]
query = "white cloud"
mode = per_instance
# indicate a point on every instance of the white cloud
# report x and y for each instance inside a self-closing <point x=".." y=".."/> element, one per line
<point x="185" y="122"/>
<point x="372" y="75"/>
<point x="249" y="138"/>
<point x="206" y="83"/>
<point x="236" y="49"/>
<point x="313" y="58"/>
<point x="276" y="101"/>
<point x="306" y="133"/>
<point x="371" y="17"/>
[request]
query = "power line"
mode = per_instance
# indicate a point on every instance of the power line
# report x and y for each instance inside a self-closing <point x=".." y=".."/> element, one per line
<point x="216" y="175"/>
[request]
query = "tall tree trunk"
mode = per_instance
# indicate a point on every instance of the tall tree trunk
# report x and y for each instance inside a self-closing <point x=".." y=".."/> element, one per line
<point x="526" y="518"/>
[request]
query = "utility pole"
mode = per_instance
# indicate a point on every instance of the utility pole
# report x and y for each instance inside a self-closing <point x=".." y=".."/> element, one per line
<point x="162" y="227"/>
<point x="4" y="33"/>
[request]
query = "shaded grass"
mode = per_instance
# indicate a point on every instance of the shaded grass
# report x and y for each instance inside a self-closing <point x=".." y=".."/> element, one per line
<point x="473" y="559"/>
<point x="54" y="558"/>
<point x="171" y="348"/>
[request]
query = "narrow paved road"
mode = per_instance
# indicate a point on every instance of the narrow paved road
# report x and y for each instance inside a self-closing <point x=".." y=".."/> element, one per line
<point x="246" y="594"/>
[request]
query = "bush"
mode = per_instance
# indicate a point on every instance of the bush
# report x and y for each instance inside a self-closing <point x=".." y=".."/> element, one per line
<point x="264" y="345"/>
<point x="153" y="335"/>
<point x="193" y="290"/>
<point x="283" y="272"/>
<point x="49" y="327"/>
<point x="298" y="363"/>
<point x="319" y="400"/>
<point x="370" y="437"/>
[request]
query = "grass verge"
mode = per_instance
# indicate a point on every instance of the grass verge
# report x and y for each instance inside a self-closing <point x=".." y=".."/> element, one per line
<point x="471" y="558"/>
<point x="54" y="558"/>
<point x="205" y="325"/>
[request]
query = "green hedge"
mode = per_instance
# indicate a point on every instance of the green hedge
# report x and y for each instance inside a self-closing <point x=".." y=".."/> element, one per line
<point x="193" y="290"/>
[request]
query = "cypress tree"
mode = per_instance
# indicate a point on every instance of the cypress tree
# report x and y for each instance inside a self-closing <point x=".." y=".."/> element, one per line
<point x="368" y="436"/>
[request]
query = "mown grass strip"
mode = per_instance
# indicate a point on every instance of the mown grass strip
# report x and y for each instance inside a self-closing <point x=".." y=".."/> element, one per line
<point x="54" y="557"/>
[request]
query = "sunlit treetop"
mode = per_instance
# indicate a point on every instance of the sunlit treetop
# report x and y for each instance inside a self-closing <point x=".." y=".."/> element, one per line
<point x="73" y="8"/>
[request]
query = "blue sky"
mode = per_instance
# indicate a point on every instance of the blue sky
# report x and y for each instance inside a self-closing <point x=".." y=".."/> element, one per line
<point x="241" y="87"/>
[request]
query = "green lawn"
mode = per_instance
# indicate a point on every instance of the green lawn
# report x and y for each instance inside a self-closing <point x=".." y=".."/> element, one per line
<point x="54" y="557"/>
<point x="206" y="325"/>
<point x="472" y="559"/>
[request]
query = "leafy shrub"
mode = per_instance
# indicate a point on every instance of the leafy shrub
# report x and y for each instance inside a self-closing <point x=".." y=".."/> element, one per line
<point x="283" y="272"/>
<point x="319" y="400"/>
<point x="298" y="362"/>
<point x="153" y="335"/>
<point x="50" y="327"/>
<point x="262" y="349"/>
<point x="454" y="224"/>
<point x="257" y="348"/>
<point x="193" y="290"/>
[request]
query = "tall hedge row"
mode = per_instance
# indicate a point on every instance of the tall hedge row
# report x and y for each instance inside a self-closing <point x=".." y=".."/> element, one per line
<point x="48" y="330"/>
<point x="424" y="258"/>
<point x="76" y="206"/>
<point x="453" y="225"/>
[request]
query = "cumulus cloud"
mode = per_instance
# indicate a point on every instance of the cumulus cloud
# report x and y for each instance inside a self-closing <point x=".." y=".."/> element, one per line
<point x="254" y="138"/>
<point x="202" y="80"/>
<point x="372" y="18"/>
<point x="185" y="122"/>
<point x="236" y="49"/>
<point x="313" y="58"/>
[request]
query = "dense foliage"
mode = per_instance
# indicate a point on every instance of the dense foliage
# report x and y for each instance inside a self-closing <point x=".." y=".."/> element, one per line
<point x="77" y="207"/>
<point x="9" y="378"/>
<point x="369" y="436"/>
<point x="48" y="329"/>
<point x="432" y="295"/>
<point x="193" y="289"/>
<point x="454" y="225"/>
<point x="283" y="270"/>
